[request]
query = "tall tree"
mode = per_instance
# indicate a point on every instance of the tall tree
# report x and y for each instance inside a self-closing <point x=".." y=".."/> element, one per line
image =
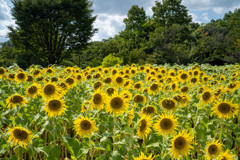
<point x="51" y="29"/>
<point x="170" y="12"/>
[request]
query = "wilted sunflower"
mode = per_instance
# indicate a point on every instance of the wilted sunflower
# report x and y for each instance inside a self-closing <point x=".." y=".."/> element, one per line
<point x="84" y="126"/>
<point x="55" y="107"/>
<point x="116" y="104"/>
<point x="33" y="90"/>
<point x="226" y="156"/>
<point x="153" y="88"/>
<point x="168" y="104"/>
<point x="181" y="144"/>
<point x="15" y="100"/>
<point x="98" y="100"/>
<point x="213" y="149"/>
<point x="144" y="157"/>
<point x="224" y="109"/>
<point x="21" y="77"/>
<point x="139" y="99"/>
<point x="144" y="125"/>
<point x="166" y="124"/>
<point x="183" y="77"/>
<point x="206" y="97"/>
<point x="148" y="110"/>
<point x="20" y="136"/>
<point x="51" y="90"/>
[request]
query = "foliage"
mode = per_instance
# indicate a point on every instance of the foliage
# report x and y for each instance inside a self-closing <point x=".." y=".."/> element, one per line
<point x="111" y="60"/>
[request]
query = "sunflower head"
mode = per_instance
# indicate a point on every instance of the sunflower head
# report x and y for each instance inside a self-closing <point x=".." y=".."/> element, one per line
<point x="2" y="72"/>
<point x="168" y="104"/>
<point x="70" y="81"/>
<point x="144" y="125"/>
<point x="153" y="88"/>
<point x="21" y="77"/>
<point x="224" y="109"/>
<point x="213" y="149"/>
<point x="183" y="77"/>
<point x="84" y="126"/>
<point x="226" y="156"/>
<point x="98" y="99"/>
<point x="107" y="80"/>
<point x="148" y="110"/>
<point x="139" y="99"/>
<point x="142" y="156"/>
<point x="126" y="94"/>
<point x="20" y="136"/>
<point x="15" y="100"/>
<point x="98" y="85"/>
<point x="119" y="80"/>
<point x="110" y="91"/>
<point x="54" y="107"/>
<point x="33" y="90"/>
<point x="206" y="97"/>
<point x="116" y="104"/>
<point x="138" y="85"/>
<point x="181" y="144"/>
<point x="51" y="90"/>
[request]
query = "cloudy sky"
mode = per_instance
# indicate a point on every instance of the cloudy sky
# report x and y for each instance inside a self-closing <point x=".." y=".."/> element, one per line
<point x="110" y="13"/>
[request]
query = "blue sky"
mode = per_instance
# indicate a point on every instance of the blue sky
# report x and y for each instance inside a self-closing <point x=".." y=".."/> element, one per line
<point x="110" y="13"/>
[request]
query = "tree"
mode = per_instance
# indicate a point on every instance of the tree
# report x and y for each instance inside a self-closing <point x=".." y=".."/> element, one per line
<point x="170" y="12"/>
<point x="51" y="29"/>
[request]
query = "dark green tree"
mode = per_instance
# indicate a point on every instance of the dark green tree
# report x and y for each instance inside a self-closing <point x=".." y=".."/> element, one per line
<point x="51" y="30"/>
<point x="170" y="12"/>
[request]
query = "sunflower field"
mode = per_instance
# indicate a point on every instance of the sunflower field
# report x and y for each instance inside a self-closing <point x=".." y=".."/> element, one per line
<point x="120" y="113"/>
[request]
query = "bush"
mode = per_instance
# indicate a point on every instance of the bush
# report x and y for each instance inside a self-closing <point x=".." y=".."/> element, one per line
<point x="111" y="60"/>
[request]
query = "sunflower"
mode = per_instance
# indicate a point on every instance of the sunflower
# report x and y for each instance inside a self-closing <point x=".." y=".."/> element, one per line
<point x="143" y="157"/>
<point x="144" y="125"/>
<point x="166" y="124"/>
<point x="78" y="77"/>
<point x="105" y="71"/>
<point x="168" y="104"/>
<point x="226" y="156"/>
<point x="205" y="79"/>
<point x="141" y="68"/>
<point x="184" y="89"/>
<point x="98" y="85"/>
<point x="51" y="90"/>
<point x="196" y="72"/>
<point x="138" y="85"/>
<point x="183" y="77"/>
<point x="33" y="90"/>
<point x="84" y="126"/>
<point x="206" y="97"/>
<point x="85" y="107"/>
<point x="98" y="99"/>
<point x="223" y="78"/>
<point x="126" y="94"/>
<point x="2" y="72"/>
<point x="119" y="80"/>
<point x="148" y="110"/>
<point x="71" y="82"/>
<point x="114" y="71"/>
<point x="15" y="100"/>
<point x="213" y="149"/>
<point x="116" y="104"/>
<point x="171" y="73"/>
<point x="11" y="76"/>
<point x="110" y="91"/>
<point x="224" y="109"/>
<point x="181" y="144"/>
<point x="108" y="80"/>
<point x="185" y="99"/>
<point x="174" y="86"/>
<point x="153" y="88"/>
<point x="194" y="81"/>
<point x="37" y="72"/>
<point x="97" y="75"/>
<point x="139" y="99"/>
<point x="217" y="93"/>
<point x="55" y="107"/>
<point x="29" y="78"/>
<point x="231" y="87"/>
<point x="133" y="71"/>
<point x="21" y="77"/>
<point x="20" y="136"/>
<point x="49" y="70"/>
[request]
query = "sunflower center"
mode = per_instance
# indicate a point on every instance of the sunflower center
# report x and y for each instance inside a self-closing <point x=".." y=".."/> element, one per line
<point x="32" y="89"/>
<point x="30" y="79"/>
<point x="2" y="71"/>
<point x="97" y="75"/>
<point x="114" y="72"/>
<point x="20" y="134"/>
<point x="11" y="76"/>
<point x="148" y="110"/>
<point x="173" y="86"/>
<point x="116" y="103"/>
<point x="184" y="76"/>
<point x="49" y="71"/>
<point x="17" y="99"/>
<point x="110" y="91"/>
<point x="179" y="143"/>
<point x="137" y="86"/>
<point x="168" y="104"/>
<point x="119" y="79"/>
<point x="194" y="80"/>
<point x="178" y="98"/>
<point x="54" y="79"/>
<point x="36" y="72"/>
<point x="54" y="104"/>
<point x="133" y="71"/>
<point x="108" y="80"/>
<point x="138" y="98"/>
<point x="85" y="125"/>
<point x="97" y="85"/>
<point x="97" y="98"/>
<point x="205" y="78"/>
<point x="143" y="125"/>
<point x="126" y="95"/>
<point x="195" y="73"/>
<point x="206" y="96"/>
<point x="126" y="84"/>
<point x="231" y="85"/>
<point x="224" y="107"/>
<point x="70" y="81"/>
<point x="49" y="89"/>
<point x="166" y="124"/>
<point x="63" y="85"/>
<point x="153" y="87"/>
<point x="79" y="77"/>
<point x="21" y="76"/>
<point x="184" y="89"/>
<point x="212" y="149"/>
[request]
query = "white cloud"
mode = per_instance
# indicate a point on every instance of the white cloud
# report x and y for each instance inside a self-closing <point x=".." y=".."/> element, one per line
<point x="108" y="26"/>
<point x="195" y="18"/>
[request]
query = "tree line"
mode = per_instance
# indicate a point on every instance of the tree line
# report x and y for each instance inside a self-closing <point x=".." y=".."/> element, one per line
<point x="59" y="36"/>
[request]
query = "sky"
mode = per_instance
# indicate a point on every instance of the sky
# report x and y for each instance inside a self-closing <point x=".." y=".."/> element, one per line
<point x="110" y="13"/>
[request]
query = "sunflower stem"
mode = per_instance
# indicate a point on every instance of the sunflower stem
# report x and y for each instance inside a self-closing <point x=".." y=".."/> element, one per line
<point x="130" y="145"/>
<point x="221" y="123"/>
<point x="90" y="150"/>
<point x="162" y="153"/>
<point x="114" y="132"/>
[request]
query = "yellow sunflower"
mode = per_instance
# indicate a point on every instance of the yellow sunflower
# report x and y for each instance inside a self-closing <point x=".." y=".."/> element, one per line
<point x="166" y="124"/>
<point x="55" y="107"/>
<point x="138" y="85"/>
<point x="183" y="77"/>
<point x="110" y="91"/>
<point x="185" y="99"/>
<point x="144" y="125"/>
<point x="20" y="136"/>
<point x="15" y="100"/>
<point x="98" y="100"/>
<point x="78" y="77"/>
<point x="226" y="156"/>
<point x="148" y="110"/>
<point x="51" y="90"/>
<point x="33" y="90"/>
<point x="2" y="72"/>
<point x="206" y="97"/>
<point x="49" y="70"/>
<point x="108" y="80"/>
<point x="21" y="77"/>
<point x="153" y="88"/>
<point x="71" y="82"/>
<point x="185" y="89"/>
<point x="231" y="87"/>
<point x="127" y="84"/>
<point x="126" y="94"/>
<point x="139" y="99"/>
<point x="84" y="126"/>
<point x="98" y="85"/>
<point x="205" y="79"/>
<point x="174" y="86"/>
<point x="224" y="109"/>
<point x="168" y="104"/>
<point x="11" y="76"/>
<point x="116" y="104"/>
<point x="213" y="149"/>
<point x="37" y="72"/>
<point x="119" y="80"/>
<point x="181" y="144"/>
<point x="144" y="157"/>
